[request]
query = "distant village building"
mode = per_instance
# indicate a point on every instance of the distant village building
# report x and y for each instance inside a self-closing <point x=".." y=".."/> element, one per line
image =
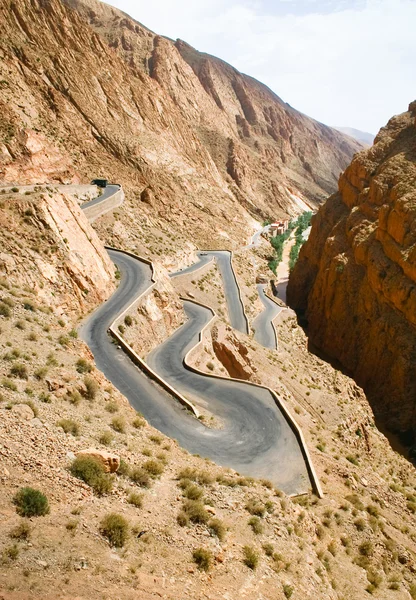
<point x="279" y="227"/>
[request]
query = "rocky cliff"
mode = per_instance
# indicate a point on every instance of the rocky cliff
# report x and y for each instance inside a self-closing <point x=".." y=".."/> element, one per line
<point x="47" y="245"/>
<point x="91" y="92"/>
<point x="355" y="280"/>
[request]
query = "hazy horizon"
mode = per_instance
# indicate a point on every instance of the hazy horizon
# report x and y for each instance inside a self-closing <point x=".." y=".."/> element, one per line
<point x="346" y="63"/>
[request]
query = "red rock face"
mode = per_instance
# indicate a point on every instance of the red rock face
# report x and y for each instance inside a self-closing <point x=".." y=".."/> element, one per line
<point x="113" y="98"/>
<point x="355" y="280"/>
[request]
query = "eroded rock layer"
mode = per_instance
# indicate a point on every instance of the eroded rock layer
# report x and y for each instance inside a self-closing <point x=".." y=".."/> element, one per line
<point x="355" y="280"/>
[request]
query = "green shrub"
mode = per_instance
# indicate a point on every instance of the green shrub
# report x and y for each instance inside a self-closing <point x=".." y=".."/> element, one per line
<point x="8" y="384"/>
<point x="251" y="557"/>
<point x="73" y="334"/>
<point x="91" y="388"/>
<point x="128" y="320"/>
<point x="182" y="519"/>
<point x="217" y="527"/>
<point x="19" y="370"/>
<point x="92" y="472"/>
<point x="27" y="305"/>
<point x="268" y="549"/>
<point x="4" y="310"/>
<point x="10" y="553"/>
<point x="115" y="528"/>
<point x="366" y="548"/>
<point x="30" y="502"/>
<point x="192" y="491"/>
<point x="256" y="508"/>
<point x="83" y="366"/>
<point x="74" y="397"/>
<point x="140" y="477"/>
<point x="69" y="426"/>
<point x="118" y="424"/>
<point x="106" y="438"/>
<point x="287" y="590"/>
<point x="135" y="499"/>
<point x="154" y="468"/>
<point x="138" y="422"/>
<point x="41" y="373"/>
<point x="63" y="340"/>
<point x="195" y="511"/>
<point x="201" y="477"/>
<point x="124" y="468"/>
<point x="256" y="525"/>
<point x="111" y="407"/>
<point x="203" y="558"/>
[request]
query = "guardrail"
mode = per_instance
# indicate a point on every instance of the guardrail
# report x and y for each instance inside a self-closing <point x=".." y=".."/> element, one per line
<point x="142" y="364"/>
<point x="316" y="486"/>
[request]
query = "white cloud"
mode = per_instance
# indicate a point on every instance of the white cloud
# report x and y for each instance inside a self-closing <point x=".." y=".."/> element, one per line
<point x="353" y="65"/>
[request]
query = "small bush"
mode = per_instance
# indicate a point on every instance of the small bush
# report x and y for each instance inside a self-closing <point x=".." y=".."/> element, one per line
<point x="138" y="422"/>
<point x="8" y="384"/>
<point x="193" y="492"/>
<point x="182" y="519"/>
<point x="74" y="397"/>
<point x="140" y="477"/>
<point x="196" y="511"/>
<point x="20" y="325"/>
<point x="256" y="508"/>
<point x="111" y="407"/>
<point x="106" y="438"/>
<point x="128" y="320"/>
<point x="10" y="553"/>
<point x="115" y="528"/>
<point x="203" y="558"/>
<point x="287" y="590"/>
<point x="124" y="468"/>
<point x="217" y="527"/>
<point x="268" y="549"/>
<point x="201" y="477"/>
<point x="154" y="468"/>
<point x="135" y="499"/>
<point x="19" y="370"/>
<point x="83" y="366"/>
<point x="352" y="459"/>
<point x="27" y="305"/>
<point x="366" y="549"/>
<point x="91" y="388"/>
<point x="21" y="531"/>
<point x="256" y="525"/>
<point x="73" y="334"/>
<point x="30" y="502"/>
<point x="4" y="310"/>
<point x="63" y="340"/>
<point x="71" y="525"/>
<point x="360" y="524"/>
<point x="41" y="373"/>
<point x="118" y="424"/>
<point x="251" y="557"/>
<point x="69" y="426"/>
<point x="92" y="472"/>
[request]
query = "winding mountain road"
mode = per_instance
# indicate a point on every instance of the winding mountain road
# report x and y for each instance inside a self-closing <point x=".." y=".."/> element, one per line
<point x="109" y="191"/>
<point x="264" y="331"/>
<point x="256" y="439"/>
<point x="238" y="319"/>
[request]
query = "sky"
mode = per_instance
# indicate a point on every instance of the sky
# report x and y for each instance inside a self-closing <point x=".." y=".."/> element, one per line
<point x="346" y="63"/>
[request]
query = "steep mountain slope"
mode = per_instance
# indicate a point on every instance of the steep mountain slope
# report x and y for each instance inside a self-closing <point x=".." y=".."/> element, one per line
<point x="74" y="107"/>
<point x="362" y="136"/>
<point x="355" y="280"/>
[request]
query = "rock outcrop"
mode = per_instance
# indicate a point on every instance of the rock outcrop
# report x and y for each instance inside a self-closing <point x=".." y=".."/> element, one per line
<point x="47" y="244"/>
<point x="355" y="280"/>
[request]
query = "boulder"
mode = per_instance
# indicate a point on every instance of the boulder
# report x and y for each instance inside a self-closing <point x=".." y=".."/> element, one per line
<point x="110" y="461"/>
<point x="23" y="411"/>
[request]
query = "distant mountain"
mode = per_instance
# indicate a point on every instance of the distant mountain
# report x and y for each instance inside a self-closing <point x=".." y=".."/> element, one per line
<point x="362" y="136"/>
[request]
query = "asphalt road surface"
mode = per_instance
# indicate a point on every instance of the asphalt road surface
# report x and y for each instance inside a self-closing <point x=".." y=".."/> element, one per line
<point x="256" y="439"/>
<point x="264" y="332"/>
<point x="235" y="307"/>
<point x="108" y="191"/>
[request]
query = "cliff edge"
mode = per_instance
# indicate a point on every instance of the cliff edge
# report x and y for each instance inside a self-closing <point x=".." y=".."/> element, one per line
<point x="355" y="280"/>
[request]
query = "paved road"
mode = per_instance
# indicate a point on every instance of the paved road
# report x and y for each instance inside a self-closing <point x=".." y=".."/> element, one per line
<point x="108" y="191"/>
<point x="238" y="319"/>
<point x="256" y="439"/>
<point x="264" y="332"/>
